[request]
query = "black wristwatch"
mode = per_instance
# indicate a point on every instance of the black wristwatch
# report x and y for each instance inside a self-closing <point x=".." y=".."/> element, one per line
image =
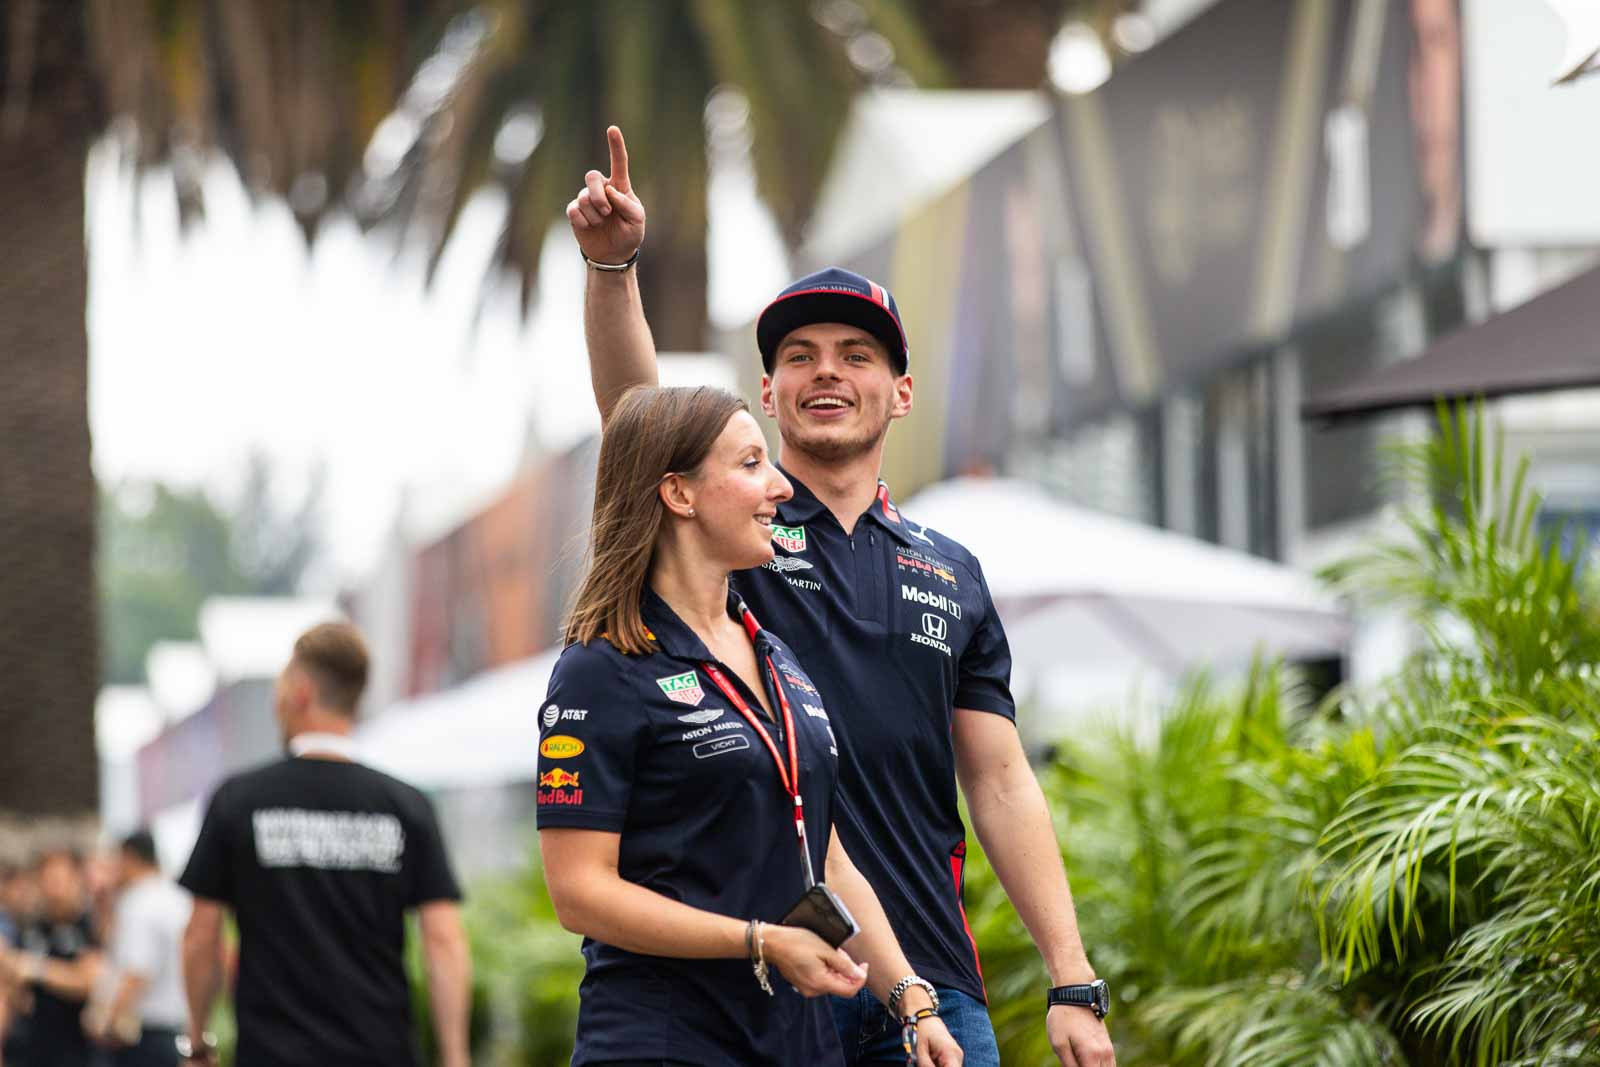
<point x="1096" y="996"/>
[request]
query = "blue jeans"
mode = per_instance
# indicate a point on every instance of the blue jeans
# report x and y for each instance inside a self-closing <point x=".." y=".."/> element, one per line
<point x="870" y="1035"/>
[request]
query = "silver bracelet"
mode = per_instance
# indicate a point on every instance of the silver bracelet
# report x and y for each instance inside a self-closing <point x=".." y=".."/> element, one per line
<point x="613" y="268"/>
<point x="761" y="959"/>
<point x="906" y="983"/>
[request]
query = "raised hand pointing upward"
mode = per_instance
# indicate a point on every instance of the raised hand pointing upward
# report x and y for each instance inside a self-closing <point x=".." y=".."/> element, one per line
<point x="607" y="218"/>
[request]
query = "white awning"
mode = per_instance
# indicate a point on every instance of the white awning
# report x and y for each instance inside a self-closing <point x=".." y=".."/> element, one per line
<point x="480" y="733"/>
<point x="1090" y="595"/>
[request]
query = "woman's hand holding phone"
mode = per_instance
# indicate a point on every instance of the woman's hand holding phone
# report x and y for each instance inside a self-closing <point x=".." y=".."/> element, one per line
<point x="810" y="964"/>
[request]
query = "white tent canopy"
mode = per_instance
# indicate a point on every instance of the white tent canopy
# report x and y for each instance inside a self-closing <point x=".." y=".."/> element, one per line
<point x="480" y="733"/>
<point x="1091" y="598"/>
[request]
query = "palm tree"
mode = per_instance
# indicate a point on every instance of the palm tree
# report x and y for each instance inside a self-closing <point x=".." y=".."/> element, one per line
<point x="48" y="651"/>
<point x="397" y="111"/>
<point x="1409" y="875"/>
<point x="1480" y="831"/>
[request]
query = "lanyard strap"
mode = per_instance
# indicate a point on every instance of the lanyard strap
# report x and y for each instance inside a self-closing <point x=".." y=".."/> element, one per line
<point x="788" y="775"/>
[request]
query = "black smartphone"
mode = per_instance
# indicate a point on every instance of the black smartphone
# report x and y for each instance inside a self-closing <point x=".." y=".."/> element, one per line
<point x="824" y="914"/>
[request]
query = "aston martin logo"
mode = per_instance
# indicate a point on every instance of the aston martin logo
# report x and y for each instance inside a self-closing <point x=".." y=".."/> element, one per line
<point x="788" y="563"/>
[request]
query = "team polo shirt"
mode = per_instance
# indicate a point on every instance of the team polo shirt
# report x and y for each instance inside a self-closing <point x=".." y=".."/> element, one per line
<point x="649" y="748"/>
<point x="895" y="623"/>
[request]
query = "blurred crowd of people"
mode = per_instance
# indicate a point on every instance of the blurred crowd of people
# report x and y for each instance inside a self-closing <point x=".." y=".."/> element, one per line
<point x="90" y="949"/>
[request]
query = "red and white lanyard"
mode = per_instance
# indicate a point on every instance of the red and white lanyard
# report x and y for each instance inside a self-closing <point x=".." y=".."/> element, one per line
<point x="788" y="774"/>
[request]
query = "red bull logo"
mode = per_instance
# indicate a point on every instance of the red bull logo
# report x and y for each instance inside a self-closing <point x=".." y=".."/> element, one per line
<point x="559" y="778"/>
<point x="560" y="786"/>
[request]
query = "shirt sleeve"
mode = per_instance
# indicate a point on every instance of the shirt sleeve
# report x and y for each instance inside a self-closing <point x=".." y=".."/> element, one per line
<point x="590" y="751"/>
<point x="983" y="681"/>
<point x="136" y="939"/>
<point x="432" y="878"/>
<point x="209" y="874"/>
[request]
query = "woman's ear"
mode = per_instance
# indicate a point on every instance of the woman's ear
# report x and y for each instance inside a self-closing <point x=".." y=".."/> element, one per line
<point x="677" y="495"/>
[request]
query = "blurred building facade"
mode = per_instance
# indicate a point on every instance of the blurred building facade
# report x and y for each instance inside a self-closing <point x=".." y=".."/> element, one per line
<point x="1130" y="299"/>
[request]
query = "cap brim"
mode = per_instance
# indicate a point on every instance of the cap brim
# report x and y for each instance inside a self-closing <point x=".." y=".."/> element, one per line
<point x="788" y="313"/>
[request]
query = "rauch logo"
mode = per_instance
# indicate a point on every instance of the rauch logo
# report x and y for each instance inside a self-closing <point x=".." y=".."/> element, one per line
<point x="560" y="746"/>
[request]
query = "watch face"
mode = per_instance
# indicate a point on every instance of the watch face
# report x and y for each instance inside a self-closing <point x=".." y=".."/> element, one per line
<point x="1102" y="999"/>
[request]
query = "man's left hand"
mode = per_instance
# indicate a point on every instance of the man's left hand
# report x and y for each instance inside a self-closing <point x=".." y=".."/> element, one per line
<point x="1079" y="1039"/>
<point x="935" y="1046"/>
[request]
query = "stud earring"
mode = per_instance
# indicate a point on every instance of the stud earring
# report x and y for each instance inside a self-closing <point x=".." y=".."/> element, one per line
<point x="691" y="513"/>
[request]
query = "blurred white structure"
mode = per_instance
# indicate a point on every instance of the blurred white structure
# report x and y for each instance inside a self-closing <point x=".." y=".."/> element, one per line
<point x="475" y="749"/>
<point x="1533" y="164"/>
<point x="484" y="732"/>
<point x="1094" y="605"/>
<point x="1582" y="54"/>
<point x="251" y="637"/>
<point x="901" y="148"/>
<point x="181" y="677"/>
<point x="126" y="718"/>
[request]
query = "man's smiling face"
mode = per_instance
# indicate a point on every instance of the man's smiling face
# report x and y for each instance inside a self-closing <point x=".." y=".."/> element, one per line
<point x="834" y="391"/>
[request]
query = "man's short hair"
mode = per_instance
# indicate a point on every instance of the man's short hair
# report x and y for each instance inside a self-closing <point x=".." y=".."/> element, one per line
<point x="142" y="847"/>
<point x="334" y="655"/>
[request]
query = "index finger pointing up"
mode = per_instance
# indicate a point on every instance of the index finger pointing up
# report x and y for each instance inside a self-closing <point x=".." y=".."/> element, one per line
<point x="619" y="160"/>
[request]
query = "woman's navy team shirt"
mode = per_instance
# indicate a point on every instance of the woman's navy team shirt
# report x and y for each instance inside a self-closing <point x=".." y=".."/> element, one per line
<point x="897" y="627"/>
<point x="649" y="747"/>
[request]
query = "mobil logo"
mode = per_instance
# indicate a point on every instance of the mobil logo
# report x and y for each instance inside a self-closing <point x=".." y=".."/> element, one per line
<point x="939" y="601"/>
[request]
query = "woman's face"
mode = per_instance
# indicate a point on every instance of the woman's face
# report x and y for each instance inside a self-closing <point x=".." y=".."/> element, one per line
<point x="736" y="495"/>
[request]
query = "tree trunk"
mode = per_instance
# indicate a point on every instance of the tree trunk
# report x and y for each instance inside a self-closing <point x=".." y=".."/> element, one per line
<point x="672" y="282"/>
<point x="49" y="662"/>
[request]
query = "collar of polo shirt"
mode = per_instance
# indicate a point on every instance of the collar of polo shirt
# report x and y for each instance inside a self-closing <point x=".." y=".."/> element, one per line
<point x="804" y="507"/>
<point x="673" y="635"/>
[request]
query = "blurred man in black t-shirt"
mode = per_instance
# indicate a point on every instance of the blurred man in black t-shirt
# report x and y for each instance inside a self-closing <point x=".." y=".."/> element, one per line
<point x="319" y="859"/>
<point x="53" y="967"/>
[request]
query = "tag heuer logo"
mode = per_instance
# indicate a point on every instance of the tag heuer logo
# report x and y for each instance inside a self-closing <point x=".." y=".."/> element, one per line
<point x="789" y="538"/>
<point x="684" y="688"/>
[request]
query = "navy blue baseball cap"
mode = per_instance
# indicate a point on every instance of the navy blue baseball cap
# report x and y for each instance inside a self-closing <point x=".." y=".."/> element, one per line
<point x="834" y="295"/>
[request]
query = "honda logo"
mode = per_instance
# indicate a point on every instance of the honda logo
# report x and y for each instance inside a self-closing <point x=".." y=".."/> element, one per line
<point x="933" y="625"/>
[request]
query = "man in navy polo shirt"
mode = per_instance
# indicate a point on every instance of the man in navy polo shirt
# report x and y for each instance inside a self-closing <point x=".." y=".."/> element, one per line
<point x="895" y="625"/>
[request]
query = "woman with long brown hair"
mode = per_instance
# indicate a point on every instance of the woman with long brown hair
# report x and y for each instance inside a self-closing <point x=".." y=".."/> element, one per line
<point x="687" y="773"/>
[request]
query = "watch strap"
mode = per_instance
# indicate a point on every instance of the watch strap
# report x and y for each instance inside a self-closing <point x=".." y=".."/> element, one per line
<point x="1091" y="995"/>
